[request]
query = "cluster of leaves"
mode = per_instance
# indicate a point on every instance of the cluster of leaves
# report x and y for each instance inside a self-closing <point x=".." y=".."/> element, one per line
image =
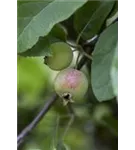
<point x="39" y="26"/>
<point x="43" y="22"/>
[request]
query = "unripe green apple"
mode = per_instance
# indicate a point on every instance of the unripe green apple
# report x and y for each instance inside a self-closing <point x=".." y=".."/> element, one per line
<point x="71" y="85"/>
<point x="61" y="58"/>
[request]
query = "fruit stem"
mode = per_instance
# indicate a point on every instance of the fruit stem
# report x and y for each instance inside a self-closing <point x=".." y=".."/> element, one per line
<point x="71" y="119"/>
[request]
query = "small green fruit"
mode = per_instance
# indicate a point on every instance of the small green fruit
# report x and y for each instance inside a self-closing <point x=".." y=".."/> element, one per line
<point x="71" y="84"/>
<point x="61" y="58"/>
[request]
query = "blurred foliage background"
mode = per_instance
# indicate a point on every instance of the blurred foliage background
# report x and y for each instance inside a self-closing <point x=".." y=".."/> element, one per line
<point x="94" y="128"/>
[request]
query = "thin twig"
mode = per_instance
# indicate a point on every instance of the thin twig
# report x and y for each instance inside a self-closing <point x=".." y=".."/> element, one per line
<point x="71" y="120"/>
<point x="91" y="41"/>
<point x="83" y="60"/>
<point x="75" y="50"/>
<point x="36" y="120"/>
<point x="70" y="109"/>
<point x="87" y="55"/>
<point x="54" y="142"/>
<point x="77" y="60"/>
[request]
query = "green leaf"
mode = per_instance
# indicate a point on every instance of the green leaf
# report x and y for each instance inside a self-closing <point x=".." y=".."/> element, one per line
<point x="20" y="2"/>
<point x="114" y="72"/>
<point x="42" y="47"/>
<point x="93" y="15"/>
<point x="114" y="10"/>
<point x="36" y="19"/>
<point x="112" y="19"/>
<point x="102" y="63"/>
